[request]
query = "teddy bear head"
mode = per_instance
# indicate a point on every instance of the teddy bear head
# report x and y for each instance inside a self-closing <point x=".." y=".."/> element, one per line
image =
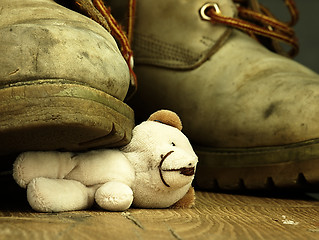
<point x="162" y="156"/>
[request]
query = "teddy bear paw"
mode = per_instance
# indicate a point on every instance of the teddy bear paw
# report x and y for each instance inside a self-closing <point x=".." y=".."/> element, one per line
<point x="114" y="196"/>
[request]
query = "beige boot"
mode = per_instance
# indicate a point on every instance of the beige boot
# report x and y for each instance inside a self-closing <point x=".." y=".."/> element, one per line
<point x="251" y="115"/>
<point x="62" y="80"/>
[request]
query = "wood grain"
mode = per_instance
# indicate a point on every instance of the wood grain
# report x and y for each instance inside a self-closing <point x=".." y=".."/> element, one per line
<point x="215" y="216"/>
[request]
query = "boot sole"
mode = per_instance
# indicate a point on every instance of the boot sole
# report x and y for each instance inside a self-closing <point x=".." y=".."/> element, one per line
<point x="291" y="166"/>
<point x="57" y="114"/>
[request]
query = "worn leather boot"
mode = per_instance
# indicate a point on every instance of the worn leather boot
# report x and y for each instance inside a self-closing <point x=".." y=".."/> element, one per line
<point x="62" y="80"/>
<point x="252" y="115"/>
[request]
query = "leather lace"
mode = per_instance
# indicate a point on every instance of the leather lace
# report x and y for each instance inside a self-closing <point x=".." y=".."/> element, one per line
<point x="256" y="20"/>
<point x="125" y="39"/>
<point x="253" y="18"/>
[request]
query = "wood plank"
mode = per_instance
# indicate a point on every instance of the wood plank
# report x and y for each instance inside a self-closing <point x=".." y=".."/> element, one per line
<point x="216" y="216"/>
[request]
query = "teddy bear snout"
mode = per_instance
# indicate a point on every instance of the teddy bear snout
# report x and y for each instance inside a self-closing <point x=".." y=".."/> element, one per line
<point x="188" y="169"/>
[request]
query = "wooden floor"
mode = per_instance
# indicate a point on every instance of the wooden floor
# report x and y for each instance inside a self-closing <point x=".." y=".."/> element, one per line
<point x="215" y="216"/>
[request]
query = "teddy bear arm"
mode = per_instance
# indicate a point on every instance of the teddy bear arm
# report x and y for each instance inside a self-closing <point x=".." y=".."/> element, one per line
<point x="114" y="196"/>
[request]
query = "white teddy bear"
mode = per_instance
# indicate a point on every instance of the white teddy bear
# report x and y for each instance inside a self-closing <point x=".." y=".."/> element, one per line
<point x="155" y="170"/>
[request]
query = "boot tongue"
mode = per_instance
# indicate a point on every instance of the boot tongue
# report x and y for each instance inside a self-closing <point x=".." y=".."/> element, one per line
<point x="172" y="34"/>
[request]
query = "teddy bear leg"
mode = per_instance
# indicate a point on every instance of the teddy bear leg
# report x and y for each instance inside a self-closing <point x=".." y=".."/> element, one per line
<point x="30" y="165"/>
<point x="57" y="195"/>
<point x="114" y="196"/>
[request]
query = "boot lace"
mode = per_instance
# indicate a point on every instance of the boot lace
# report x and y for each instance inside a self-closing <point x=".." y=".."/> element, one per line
<point x="120" y="35"/>
<point x="256" y="20"/>
<point x="102" y="14"/>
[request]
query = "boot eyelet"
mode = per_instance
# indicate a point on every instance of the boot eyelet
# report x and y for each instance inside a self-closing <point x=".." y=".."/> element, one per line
<point x="207" y="6"/>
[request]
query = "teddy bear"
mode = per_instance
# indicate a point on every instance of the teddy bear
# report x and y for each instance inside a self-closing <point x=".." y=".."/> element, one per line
<point x="154" y="170"/>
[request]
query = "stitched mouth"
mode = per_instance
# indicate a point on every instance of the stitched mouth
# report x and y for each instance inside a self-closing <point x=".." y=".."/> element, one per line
<point x="160" y="167"/>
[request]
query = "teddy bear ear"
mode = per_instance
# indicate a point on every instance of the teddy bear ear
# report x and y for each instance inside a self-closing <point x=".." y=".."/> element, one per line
<point x="167" y="117"/>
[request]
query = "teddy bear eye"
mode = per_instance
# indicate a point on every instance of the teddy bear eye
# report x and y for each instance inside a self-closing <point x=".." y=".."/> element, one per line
<point x="173" y="144"/>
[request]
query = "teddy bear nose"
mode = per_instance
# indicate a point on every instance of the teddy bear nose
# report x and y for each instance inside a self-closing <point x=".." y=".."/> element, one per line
<point x="189" y="171"/>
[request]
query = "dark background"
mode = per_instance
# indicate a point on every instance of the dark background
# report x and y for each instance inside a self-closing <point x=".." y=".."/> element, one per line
<point x="307" y="28"/>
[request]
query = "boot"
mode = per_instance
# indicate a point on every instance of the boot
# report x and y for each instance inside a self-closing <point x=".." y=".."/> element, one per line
<point x="62" y="80"/>
<point x="252" y="115"/>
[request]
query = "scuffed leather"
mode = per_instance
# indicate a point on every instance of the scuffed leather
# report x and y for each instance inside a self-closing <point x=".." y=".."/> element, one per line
<point x="43" y="40"/>
<point x="241" y="96"/>
<point x="194" y="40"/>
